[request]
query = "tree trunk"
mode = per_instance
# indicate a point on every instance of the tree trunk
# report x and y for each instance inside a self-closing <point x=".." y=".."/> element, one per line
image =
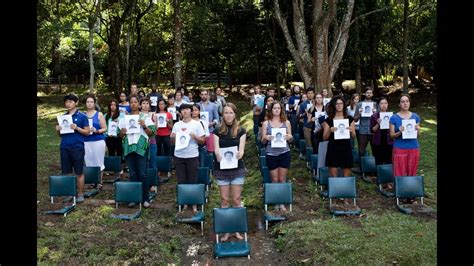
<point x="91" y="57"/>
<point x="405" y="47"/>
<point x="114" y="56"/>
<point x="127" y="76"/>
<point x="178" y="51"/>
<point x="358" y="76"/>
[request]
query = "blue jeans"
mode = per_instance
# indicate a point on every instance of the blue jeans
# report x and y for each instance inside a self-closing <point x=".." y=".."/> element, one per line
<point x="137" y="171"/>
<point x="152" y="156"/>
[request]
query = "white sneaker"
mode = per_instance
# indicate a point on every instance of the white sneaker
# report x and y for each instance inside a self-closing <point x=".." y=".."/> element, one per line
<point x="146" y="204"/>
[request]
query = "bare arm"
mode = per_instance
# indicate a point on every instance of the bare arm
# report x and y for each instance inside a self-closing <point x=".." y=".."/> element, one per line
<point x="327" y="131"/>
<point x="241" y="151"/>
<point x="216" y="148"/>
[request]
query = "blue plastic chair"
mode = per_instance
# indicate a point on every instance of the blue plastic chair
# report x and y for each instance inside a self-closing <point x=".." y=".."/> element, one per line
<point x="384" y="175"/>
<point x="153" y="181"/>
<point x="60" y="186"/>
<point x="128" y="192"/>
<point x="367" y="165"/>
<point x="410" y="187"/>
<point x="91" y="176"/>
<point x="192" y="194"/>
<point x="163" y="164"/>
<point x="231" y="220"/>
<point x="276" y="193"/>
<point x="342" y="187"/>
<point x="113" y="164"/>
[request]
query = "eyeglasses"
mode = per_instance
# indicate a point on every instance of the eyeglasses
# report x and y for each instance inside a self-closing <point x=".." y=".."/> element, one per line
<point x="339" y="103"/>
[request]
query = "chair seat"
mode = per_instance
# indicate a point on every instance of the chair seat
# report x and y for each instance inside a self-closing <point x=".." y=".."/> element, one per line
<point x="270" y="218"/>
<point x="91" y="193"/>
<point x="196" y="218"/>
<point x="62" y="211"/>
<point x="408" y="209"/>
<point x="386" y="193"/>
<point x="336" y="212"/>
<point x="127" y="217"/>
<point x="232" y="249"/>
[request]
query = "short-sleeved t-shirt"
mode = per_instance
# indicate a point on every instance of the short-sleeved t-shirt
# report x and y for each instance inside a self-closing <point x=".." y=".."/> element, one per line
<point x="76" y="139"/>
<point x="399" y="142"/>
<point x="192" y="126"/>
<point x="226" y="141"/>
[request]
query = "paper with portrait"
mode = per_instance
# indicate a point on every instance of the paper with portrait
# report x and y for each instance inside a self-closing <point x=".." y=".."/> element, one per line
<point x="65" y="122"/>
<point x="367" y="109"/>
<point x="278" y="140"/>
<point x="409" y="131"/>
<point x="172" y="110"/>
<point x="131" y="124"/>
<point x="154" y="100"/>
<point x="112" y="129"/>
<point x="228" y="157"/>
<point x="161" y="120"/>
<point x="385" y="116"/>
<point x="204" y="116"/>
<point x="182" y="140"/>
<point x="342" y="131"/>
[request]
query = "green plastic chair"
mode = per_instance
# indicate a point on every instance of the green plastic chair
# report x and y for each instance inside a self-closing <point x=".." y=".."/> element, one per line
<point x="192" y="194"/>
<point x="342" y="187"/>
<point x="231" y="220"/>
<point x="276" y="193"/>
<point x="91" y="176"/>
<point x="128" y="192"/>
<point x="60" y="186"/>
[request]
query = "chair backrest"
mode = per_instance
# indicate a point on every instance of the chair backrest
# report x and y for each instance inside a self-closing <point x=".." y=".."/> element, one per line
<point x="113" y="164"/>
<point x="62" y="185"/>
<point x="409" y="186"/>
<point x="266" y="175"/>
<point x="230" y="220"/>
<point x="296" y="138"/>
<point x="127" y="191"/>
<point x="367" y="164"/>
<point x="342" y="187"/>
<point x="323" y="175"/>
<point x="163" y="163"/>
<point x="207" y="161"/>
<point x="278" y="193"/>
<point x="191" y="194"/>
<point x="263" y="161"/>
<point x="309" y="151"/>
<point x="302" y="146"/>
<point x="203" y="176"/>
<point x="384" y="173"/>
<point x="314" y="161"/>
<point x="356" y="157"/>
<point x="152" y="176"/>
<point x="91" y="174"/>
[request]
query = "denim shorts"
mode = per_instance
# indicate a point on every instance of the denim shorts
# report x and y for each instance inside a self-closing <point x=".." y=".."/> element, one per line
<point x="233" y="181"/>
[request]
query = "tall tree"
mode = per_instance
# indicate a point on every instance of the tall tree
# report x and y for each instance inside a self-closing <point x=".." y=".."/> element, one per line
<point x="318" y="67"/>
<point x="178" y="42"/>
<point x="405" y="46"/>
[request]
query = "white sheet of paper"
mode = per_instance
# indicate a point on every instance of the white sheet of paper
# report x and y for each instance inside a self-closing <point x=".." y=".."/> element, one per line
<point x="229" y="158"/>
<point x="410" y="132"/>
<point x="326" y="100"/>
<point x="122" y="109"/>
<point x="297" y="101"/>
<point x="65" y="121"/>
<point x="308" y="106"/>
<point x="154" y="100"/>
<point x="287" y="107"/>
<point x="182" y="140"/>
<point x="172" y="110"/>
<point x="112" y="129"/>
<point x="278" y="140"/>
<point x="90" y="125"/>
<point x="342" y="131"/>
<point x="131" y="123"/>
<point x="319" y="114"/>
<point x="161" y="120"/>
<point x="367" y="109"/>
<point x="385" y="116"/>
<point x="205" y="118"/>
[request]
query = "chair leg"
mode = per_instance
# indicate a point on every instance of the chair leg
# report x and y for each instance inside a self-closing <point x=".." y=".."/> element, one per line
<point x="266" y="225"/>
<point x="248" y="257"/>
<point x="202" y="228"/>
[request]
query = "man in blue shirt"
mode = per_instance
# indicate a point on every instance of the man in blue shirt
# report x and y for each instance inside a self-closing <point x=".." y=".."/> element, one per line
<point x="72" y="144"/>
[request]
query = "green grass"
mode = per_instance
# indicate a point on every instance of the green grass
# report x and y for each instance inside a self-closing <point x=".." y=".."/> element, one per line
<point x="381" y="236"/>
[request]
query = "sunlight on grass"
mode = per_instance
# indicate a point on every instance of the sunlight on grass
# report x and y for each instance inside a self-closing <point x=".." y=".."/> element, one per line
<point x="431" y="121"/>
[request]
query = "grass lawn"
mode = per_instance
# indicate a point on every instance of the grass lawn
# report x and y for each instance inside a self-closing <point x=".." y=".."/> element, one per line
<point x="382" y="235"/>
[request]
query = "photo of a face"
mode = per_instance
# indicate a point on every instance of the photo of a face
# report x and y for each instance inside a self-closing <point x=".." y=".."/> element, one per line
<point x="341" y="128"/>
<point x="114" y="127"/>
<point x="182" y="139"/>
<point x="161" y="120"/>
<point x="367" y="109"/>
<point x="410" y="127"/>
<point x="203" y="117"/>
<point x="65" y="124"/>
<point x="385" y="118"/>
<point x="133" y="123"/>
<point x="279" y="137"/>
<point x="228" y="156"/>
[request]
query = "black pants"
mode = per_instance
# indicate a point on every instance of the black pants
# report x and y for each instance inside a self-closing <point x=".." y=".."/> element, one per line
<point x="163" y="145"/>
<point x="186" y="170"/>
<point x="114" y="146"/>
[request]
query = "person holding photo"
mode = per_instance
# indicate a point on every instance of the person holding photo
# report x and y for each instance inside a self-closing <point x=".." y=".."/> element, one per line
<point x="124" y="105"/>
<point x="406" y="152"/>
<point x="382" y="143"/>
<point x="186" y="160"/>
<point x="365" y="134"/>
<point x="72" y="145"/>
<point x="163" y="133"/>
<point x="278" y="159"/>
<point x="339" y="152"/>
<point x="230" y="181"/>
<point x="351" y="107"/>
<point x="136" y="147"/>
